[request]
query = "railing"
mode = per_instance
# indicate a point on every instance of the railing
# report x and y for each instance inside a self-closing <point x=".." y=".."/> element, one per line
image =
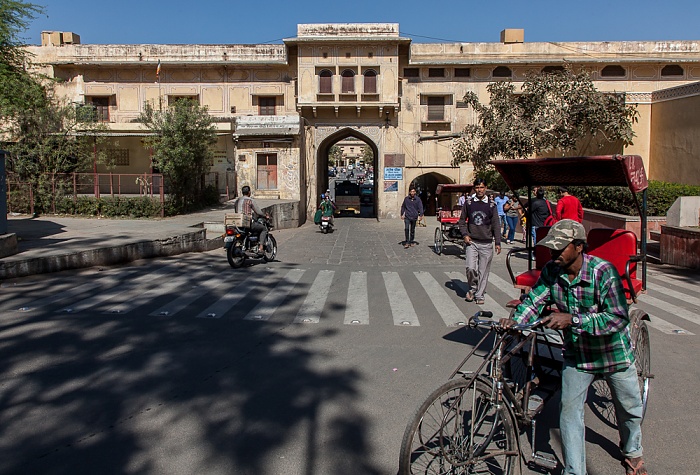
<point x="73" y="185"/>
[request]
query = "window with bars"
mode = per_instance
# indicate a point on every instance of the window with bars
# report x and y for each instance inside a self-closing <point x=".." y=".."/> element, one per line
<point x="118" y="157"/>
<point x="100" y="107"/>
<point x="325" y="82"/>
<point x="348" y="81"/>
<point x="267" y="105"/>
<point x="411" y="72"/>
<point x="370" y="82"/>
<point x="172" y="99"/>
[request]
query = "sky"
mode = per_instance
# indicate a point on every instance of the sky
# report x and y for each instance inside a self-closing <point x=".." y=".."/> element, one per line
<point x="432" y="21"/>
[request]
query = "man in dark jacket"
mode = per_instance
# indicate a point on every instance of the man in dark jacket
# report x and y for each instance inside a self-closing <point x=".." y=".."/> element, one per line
<point x="479" y="224"/>
<point x="540" y="210"/>
<point x="411" y="211"/>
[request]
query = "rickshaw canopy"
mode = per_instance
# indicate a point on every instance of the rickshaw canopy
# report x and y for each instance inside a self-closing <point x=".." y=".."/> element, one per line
<point x="602" y="170"/>
<point x="454" y="188"/>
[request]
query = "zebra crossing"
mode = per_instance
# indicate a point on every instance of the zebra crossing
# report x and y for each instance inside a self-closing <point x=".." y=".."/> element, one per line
<point x="301" y="296"/>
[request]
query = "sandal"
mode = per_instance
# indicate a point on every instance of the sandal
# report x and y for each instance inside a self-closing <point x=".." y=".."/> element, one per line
<point x="635" y="466"/>
<point x="479" y="301"/>
<point x="470" y="296"/>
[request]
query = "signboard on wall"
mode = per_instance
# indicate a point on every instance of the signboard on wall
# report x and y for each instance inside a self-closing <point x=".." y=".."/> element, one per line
<point x="394" y="160"/>
<point x="393" y="173"/>
<point x="391" y="186"/>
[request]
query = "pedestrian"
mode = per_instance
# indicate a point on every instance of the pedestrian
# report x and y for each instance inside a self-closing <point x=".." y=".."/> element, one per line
<point x="479" y="225"/>
<point x="568" y="206"/>
<point x="513" y="210"/>
<point x="500" y="200"/>
<point x="594" y="318"/>
<point x="411" y="211"/>
<point x="462" y="198"/>
<point x="540" y="212"/>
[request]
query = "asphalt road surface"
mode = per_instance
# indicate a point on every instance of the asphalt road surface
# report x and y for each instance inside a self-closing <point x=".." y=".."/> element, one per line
<point x="312" y="364"/>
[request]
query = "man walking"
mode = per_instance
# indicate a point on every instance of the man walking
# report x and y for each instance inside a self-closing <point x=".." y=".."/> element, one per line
<point x="568" y="206"/>
<point x="500" y="200"/>
<point x="479" y="225"/>
<point x="411" y="211"/>
<point x="594" y="317"/>
<point x="540" y="211"/>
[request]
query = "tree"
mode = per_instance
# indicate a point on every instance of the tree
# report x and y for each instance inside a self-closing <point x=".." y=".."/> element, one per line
<point x="183" y="139"/>
<point x="19" y="89"/>
<point x="335" y="155"/>
<point x="559" y="113"/>
<point x="367" y="155"/>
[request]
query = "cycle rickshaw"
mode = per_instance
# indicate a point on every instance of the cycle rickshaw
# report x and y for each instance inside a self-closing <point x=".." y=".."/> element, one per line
<point x="448" y="213"/>
<point x="473" y="422"/>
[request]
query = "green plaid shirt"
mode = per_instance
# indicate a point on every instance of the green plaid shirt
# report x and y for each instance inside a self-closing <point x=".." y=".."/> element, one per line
<point x="601" y="343"/>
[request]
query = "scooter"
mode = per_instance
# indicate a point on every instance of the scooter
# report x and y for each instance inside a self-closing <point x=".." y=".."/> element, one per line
<point x="326" y="224"/>
<point x="240" y="243"/>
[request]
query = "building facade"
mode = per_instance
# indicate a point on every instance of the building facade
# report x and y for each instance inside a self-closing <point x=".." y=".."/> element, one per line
<point x="279" y="108"/>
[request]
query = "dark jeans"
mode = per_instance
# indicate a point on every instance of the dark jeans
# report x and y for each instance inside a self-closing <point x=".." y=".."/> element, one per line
<point x="409" y="229"/>
<point x="257" y="228"/>
<point x="512" y="224"/>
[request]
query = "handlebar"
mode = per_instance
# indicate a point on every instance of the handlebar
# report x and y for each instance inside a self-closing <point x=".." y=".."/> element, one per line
<point x="483" y="319"/>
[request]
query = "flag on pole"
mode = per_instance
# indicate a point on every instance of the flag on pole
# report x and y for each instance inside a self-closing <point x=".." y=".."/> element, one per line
<point x="158" y="70"/>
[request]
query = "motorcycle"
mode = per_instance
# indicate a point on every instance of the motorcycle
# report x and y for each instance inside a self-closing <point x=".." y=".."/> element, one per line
<point x="240" y="243"/>
<point x="326" y="224"/>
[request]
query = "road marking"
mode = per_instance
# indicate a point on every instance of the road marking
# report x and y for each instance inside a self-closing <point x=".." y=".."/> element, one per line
<point x="229" y="300"/>
<point x="146" y="297"/>
<point x="188" y="297"/>
<point x="692" y="317"/>
<point x="401" y="307"/>
<point x="676" y="281"/>
<point x="666" y="327"/>
<point x="675" y="294"/>
<point x="504" y="286"/>
<point x="311" y="309"/>
<point x="490" y="303"/>
<point x="442" y="301"/>
<point x="357" y="303"/>
<point x="267" y="307"/>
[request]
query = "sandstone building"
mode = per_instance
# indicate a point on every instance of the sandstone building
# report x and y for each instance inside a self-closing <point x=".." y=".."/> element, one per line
<point x="279" y="108"/>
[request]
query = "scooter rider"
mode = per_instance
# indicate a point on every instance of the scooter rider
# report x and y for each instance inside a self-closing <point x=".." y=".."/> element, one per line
<point x="247" y="205"/>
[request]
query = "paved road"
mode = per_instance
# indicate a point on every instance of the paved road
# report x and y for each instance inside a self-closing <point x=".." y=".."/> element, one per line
<point x="312" y="364"/>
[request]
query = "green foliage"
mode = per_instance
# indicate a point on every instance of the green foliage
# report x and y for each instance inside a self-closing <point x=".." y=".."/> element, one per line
<point x="183" y="141"/>
<point x="335" y="155"/>
<point x="660" y="197"/>
<point x="494" y="180"/>
<point x="87" y="206"/>
<point x="557" y="113"/>
<point x="210" y="196"/>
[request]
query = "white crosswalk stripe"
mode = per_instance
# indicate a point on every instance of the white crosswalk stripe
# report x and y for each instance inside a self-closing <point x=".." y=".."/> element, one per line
<point x="401" y="307"/>
<point x="675" y="310"/>
<point x="695" y="288"/>
<point x="311" y="309"/>
<point x="490" y="304"/>
<point x="228" y="301"/>
<point x="666" y="327"/>
<point x="445" y="307"/>
<point x="269" y="304"/>
<point x="183" y="301"/>
<point x="357" y="304"/>
<point x="675" y="294"/>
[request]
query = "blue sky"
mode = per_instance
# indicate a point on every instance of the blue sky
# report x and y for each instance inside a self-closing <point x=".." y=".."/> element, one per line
<point x="246" y="21"/>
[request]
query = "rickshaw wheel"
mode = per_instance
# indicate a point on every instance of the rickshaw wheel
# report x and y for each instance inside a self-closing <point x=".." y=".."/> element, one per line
<point x="439" y="240"/>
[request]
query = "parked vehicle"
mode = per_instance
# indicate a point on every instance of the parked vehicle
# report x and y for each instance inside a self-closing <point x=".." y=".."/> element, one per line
<point x="240" y="243"/>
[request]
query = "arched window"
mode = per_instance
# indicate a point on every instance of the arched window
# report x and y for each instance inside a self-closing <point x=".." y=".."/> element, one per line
<point x="370" y="82"/>
<point x="553" y="69"/>
<point x="672" y="70"/>
<point x="502" y="72"/>
<point x="348" y="85"/>
<point x="325" y="82"/>
<point x="613" y="71"/>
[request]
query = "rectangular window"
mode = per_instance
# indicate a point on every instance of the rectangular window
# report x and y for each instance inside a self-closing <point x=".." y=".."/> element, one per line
<point x="436" y="108"/>
<point x="411" y="72"/>
<point x="266" y="105"/>
<point x="267" y="171"/>
<point x="436" y="72"/>
<point x="118" y="157"/>
<point x="100" y="107"/>
<point x="463" y="72"/>
<point x="173" y="99"/>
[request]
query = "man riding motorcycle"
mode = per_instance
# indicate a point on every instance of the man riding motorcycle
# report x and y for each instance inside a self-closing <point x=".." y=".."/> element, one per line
<point x="247" y="205"/>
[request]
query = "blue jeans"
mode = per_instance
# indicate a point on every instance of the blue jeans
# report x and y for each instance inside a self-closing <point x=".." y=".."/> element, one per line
<point x="624" y="387"/>
<point x="512" y="224"/>
<point x="502" y="218"/>
<point x="409" y="226"/>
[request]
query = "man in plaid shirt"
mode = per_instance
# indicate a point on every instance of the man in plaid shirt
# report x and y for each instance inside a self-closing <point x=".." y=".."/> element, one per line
<point x="594" y="318"/>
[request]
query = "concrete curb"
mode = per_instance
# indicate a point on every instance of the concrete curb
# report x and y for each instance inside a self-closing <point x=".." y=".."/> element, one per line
<point x="189" y="242"/>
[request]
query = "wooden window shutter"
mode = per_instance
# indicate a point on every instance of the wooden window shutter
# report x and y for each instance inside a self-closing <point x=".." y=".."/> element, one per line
<point x="436" y="108"/>
<point x="348" y="82"/>
<point x="370" y="82"/>
<point x="325" y="82"/>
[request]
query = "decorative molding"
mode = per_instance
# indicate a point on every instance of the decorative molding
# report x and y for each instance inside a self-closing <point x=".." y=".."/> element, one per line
<point x="678" y="92"/>
<point x="638" y="97"/>
<point x="372" y="132"/>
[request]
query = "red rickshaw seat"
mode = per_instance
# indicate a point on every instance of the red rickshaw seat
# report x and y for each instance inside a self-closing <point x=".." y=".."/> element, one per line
<point x="619" y="247"/>
<point x="527" y="279"/>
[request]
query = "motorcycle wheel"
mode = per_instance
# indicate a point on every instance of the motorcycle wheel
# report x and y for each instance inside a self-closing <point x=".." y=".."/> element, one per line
<point x="235" y="255"/>
<point x="270" y="249"/>
<point x="325" y="230"/>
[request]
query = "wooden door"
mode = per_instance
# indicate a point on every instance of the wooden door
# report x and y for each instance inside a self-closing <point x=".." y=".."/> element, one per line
<point x="267" y="171"/>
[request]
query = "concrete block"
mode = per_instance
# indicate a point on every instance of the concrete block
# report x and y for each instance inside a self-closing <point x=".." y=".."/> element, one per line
<point x="512" y="35"/>
<point x="685" y="212"/>
<point x="8" y="244"/>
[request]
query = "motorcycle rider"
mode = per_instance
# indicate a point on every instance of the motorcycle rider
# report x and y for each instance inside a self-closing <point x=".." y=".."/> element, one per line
<point x="327" y="206"/>
<point x="247" y="205"/>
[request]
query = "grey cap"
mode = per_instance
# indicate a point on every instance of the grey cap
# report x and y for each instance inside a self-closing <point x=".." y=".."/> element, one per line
<point x="562" y="233"/>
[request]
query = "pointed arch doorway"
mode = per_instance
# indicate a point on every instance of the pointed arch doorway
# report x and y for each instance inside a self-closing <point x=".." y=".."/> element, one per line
<point x="426" y="185"/>
<point x="367" y="190"/>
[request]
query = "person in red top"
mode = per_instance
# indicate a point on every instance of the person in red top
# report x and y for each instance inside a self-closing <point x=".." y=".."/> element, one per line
<point x="568" y="206"/>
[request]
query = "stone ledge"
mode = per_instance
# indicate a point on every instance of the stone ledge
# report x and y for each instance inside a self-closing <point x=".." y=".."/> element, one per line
<point x="8" y="245"/>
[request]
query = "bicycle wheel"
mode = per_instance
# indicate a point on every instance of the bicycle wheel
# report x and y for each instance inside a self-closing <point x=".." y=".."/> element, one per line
<point x="642" y="355"/>
<point x="459" y="430"/>
<point x="439" y="240"/>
